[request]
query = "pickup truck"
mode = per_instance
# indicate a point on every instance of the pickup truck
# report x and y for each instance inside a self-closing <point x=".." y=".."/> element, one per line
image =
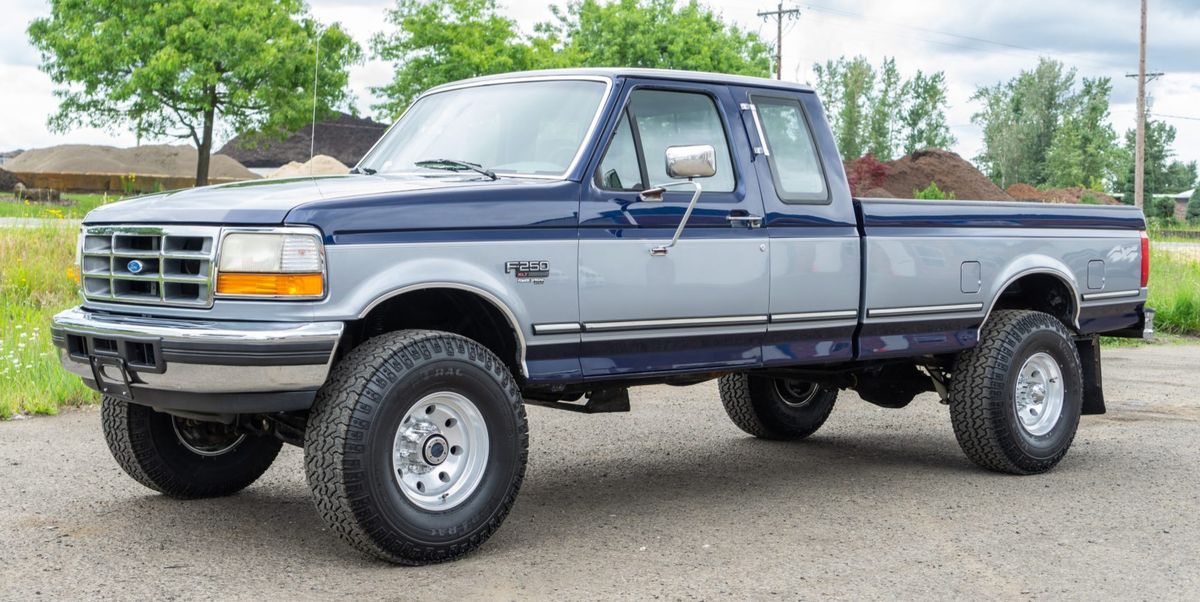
<point x="554" y="238"/>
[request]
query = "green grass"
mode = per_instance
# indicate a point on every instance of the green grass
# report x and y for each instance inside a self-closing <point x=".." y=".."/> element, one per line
<point x="82" y="204"/>
<point x="37" y="279"/>
<point x="1175" y="293"/>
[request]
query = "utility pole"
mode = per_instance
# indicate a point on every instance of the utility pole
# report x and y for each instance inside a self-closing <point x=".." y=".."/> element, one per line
<point x="1139" y="162"/>
<point x="780" y="14"/>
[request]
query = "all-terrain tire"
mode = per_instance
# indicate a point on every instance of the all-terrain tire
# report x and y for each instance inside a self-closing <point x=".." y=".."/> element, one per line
<point x="983" y="393"/>
<point x="353" y="427"/>
<point x="149" y="446"/>
<point x="769" y="408"/>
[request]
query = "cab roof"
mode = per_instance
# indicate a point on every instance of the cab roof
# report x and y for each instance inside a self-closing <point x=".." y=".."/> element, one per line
<point x="613" y="73"/>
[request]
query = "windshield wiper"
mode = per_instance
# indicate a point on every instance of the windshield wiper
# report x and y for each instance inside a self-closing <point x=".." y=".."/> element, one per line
<point x="367" y="171"/>
<point x="456" y="165"/>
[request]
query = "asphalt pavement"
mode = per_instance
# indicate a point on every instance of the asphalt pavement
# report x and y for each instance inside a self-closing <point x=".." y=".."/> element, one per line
<point x="668" y="501"/>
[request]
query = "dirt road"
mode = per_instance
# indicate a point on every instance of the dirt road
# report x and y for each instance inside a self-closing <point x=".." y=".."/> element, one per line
<point x="667" y="501"/>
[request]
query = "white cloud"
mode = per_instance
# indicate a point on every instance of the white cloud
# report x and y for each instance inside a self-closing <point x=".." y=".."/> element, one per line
<point x="1099" y="37"/>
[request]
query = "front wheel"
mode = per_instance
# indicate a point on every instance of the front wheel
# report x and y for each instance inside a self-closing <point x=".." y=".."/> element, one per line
<point x="776" y="408"/>
<point x="416" y="447"/>
<point x="184" y="458"/>
<point x="1015" y="398"/>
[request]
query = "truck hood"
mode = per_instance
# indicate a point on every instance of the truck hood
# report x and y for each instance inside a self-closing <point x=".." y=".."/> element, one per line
<point x="268" y="202"/>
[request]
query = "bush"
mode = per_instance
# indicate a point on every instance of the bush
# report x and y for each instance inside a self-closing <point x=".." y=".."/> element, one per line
<point x="1193" y="206"/>
<point x="1089" y="199"/>
<point x="933" y="193"/>
<point x="864" y="173"/>
<point x="1162" y="207"/>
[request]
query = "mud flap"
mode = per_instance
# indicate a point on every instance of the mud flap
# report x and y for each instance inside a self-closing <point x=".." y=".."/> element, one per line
<point x="1093" y="386"/>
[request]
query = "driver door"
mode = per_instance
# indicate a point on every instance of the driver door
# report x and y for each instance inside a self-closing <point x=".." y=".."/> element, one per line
<point x="703" y="304"/>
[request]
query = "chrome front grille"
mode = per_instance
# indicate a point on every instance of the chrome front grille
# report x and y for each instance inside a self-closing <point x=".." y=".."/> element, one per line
<point x="148" y="265"/>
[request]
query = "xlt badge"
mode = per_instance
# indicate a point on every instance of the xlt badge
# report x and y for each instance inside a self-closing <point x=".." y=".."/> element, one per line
<point x="535" y="271"/>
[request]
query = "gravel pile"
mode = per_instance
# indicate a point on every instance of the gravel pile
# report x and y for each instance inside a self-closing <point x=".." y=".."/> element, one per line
<point x="345" y="138"/>
<point x="320" y="165"/>
<point x="150" y="160"/>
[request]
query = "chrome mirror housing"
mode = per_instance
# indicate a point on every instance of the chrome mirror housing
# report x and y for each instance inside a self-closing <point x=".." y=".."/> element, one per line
<point x="692" y="161"/>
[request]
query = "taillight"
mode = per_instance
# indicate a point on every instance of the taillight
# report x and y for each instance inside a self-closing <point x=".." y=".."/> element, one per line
<point x="1145" y="259"/>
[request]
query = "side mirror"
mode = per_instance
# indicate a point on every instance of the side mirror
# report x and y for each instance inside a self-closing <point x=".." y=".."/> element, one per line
<point x="693" y="161"/>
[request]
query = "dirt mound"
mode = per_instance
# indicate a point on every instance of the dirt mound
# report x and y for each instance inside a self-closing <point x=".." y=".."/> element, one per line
<point x="951" y="173"/>
<point x="150" y="160"/>
<point x="1025" y="192"/>
<point x="320" y="165"/>
<point x="1076" y="195"/>
<point x="878" y="193"/>
<point x="346" y="138"/>
<point x="7" y="181"/>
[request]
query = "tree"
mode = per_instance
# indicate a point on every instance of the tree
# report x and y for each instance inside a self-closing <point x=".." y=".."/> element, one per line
<point x="1193" y="207"/>
<point x="649" y="33"/>
<point x="923" y="116"/>
<point x="877" y="112"/>
<point x="1162" y="174"/>
<point x="443" y="41"/>
<point x="1019" y="120"/>
<point x="172" y="69"/>
<point x="438" y="41"/>
<point x="885" y="104"/>
<point x="846" y="88"/>
<point x="1083" y="150"/>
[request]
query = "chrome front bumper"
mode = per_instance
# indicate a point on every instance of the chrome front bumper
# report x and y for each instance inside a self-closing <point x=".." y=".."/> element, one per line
<point x="156" y="360"/>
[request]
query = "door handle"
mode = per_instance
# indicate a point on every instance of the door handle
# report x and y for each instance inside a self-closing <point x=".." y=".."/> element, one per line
<point x="738" y="217"/>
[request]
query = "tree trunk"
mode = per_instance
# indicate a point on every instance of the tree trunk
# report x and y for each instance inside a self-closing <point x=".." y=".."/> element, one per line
<point x="205" y="148"/>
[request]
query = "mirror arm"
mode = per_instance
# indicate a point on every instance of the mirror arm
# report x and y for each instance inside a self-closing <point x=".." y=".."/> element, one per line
<point x="661" y="250"/>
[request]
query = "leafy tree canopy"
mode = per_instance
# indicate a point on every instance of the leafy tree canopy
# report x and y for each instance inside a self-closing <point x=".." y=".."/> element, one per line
<point x="877" y="112"/>
<point x="438" y="41"/>
<point x="1020" y="118"/>
<point x="172" y="68"/>
<point x="1163" y="175"/>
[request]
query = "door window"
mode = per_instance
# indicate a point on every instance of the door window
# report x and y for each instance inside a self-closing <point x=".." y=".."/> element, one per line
<point x="663" y="119"/>
<point x="795" y="166"/>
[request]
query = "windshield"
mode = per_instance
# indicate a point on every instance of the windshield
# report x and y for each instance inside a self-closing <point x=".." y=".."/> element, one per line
<point x="518" y="128"/>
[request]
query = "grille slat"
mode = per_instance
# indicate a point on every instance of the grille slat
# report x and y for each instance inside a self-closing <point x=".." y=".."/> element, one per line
<point x="176" y="264"/>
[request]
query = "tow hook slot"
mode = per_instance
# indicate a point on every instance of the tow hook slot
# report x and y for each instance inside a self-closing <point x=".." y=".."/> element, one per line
<point x="598" y="401"/>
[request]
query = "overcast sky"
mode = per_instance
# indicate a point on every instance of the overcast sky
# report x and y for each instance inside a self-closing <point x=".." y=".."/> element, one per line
<point x="975" y="42"/>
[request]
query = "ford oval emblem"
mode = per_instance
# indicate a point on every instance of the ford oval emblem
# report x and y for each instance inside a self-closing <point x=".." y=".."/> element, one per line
<point x="135" y="267"/>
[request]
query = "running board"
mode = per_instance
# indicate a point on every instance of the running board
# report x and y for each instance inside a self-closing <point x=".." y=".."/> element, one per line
<point x="599" y="401"/>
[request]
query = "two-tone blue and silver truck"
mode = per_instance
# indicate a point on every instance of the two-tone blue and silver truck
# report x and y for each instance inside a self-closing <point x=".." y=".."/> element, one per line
<point x="554" y="238"/>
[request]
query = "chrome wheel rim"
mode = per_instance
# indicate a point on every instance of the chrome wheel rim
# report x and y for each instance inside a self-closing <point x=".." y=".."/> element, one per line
<point x="206" y="438"/>
<point x="796" y="393"/>
<point x="440" y="451"/>
<point x="1040" y="394"/>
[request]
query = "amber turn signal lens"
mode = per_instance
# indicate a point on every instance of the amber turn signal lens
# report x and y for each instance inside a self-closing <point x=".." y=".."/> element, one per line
<point x="271" y="285"/>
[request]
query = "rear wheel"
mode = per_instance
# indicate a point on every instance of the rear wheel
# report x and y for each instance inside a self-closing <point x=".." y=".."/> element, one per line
<point x="776" y="408"/>
<point x="1015" y="399"/>
<point x="416" y="447"/>
<point x="184" y="458"/>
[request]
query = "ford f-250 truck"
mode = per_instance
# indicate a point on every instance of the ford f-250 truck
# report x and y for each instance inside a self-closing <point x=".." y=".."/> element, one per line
<point x="554" y="238"/>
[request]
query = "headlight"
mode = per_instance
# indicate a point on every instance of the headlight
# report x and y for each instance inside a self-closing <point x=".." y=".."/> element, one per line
<point x="271" y="264"/>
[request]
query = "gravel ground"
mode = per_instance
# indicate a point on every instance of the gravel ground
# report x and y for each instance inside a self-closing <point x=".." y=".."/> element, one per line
<point x="668" y="501"/>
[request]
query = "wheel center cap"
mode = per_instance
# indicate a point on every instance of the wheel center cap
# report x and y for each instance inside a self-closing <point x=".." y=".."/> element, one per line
<point x="1038" y="393"/>
<point x="435" y="450"/>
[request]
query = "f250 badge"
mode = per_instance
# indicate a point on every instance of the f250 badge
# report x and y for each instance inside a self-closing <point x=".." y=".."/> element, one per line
<point x="534" y="272"/>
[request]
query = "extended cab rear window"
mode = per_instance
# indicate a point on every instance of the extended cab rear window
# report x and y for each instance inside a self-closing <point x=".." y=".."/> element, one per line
<point x="795" y="166"/>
